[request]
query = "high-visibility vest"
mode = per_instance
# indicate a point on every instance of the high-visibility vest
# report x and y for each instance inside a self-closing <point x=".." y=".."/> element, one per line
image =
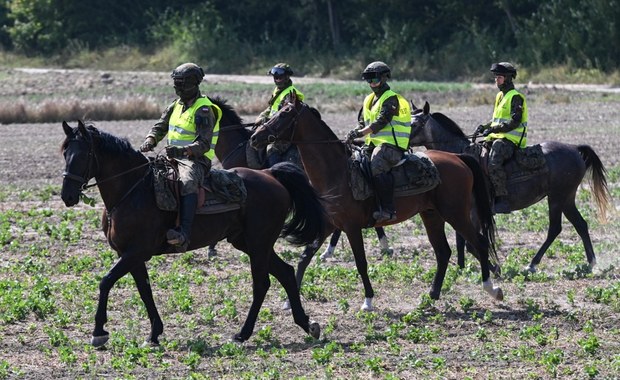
<point x="275" y="106"/>
<point x="502" y="114"/>
<point x="398" y="130"/>
<point x="182" y="125"/>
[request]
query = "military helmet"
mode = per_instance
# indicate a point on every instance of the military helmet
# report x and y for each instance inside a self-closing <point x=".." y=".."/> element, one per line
<point x="188" y="73"/>
<point x="504" y="68"/>
<point x="376" y="70"/>
<point x="280" y="69"/>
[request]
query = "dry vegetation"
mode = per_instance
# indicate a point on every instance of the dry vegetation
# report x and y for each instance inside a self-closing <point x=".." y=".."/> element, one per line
<point x="560" y="323"/>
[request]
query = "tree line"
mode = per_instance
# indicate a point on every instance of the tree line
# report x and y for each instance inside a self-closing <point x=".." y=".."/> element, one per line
<point x="439" y="39"/>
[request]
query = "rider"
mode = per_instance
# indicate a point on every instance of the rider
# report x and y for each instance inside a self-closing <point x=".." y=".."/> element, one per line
<point x="506" y="132"/>
<point x="385" y="120"/>
<point x="192" y="124"/>
<point x="281" y="73"/>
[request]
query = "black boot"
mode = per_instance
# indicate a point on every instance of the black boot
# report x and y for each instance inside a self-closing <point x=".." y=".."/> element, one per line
<point x="179" y="237"/>
<point x="384" y="187"/>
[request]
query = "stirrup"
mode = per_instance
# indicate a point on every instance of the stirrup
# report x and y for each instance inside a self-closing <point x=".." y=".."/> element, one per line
<point x="383" y="216"/>
<point x="178" y="240"/>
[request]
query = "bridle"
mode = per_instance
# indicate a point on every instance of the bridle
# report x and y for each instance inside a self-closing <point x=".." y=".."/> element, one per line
<point x="83" y="179"/>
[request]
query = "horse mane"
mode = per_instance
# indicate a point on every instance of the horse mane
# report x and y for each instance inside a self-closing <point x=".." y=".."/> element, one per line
<point x="317" y="114"/>
<point x="227" y="110"/>
<point x="448" y="123"/>
<point x="108" y="142"/>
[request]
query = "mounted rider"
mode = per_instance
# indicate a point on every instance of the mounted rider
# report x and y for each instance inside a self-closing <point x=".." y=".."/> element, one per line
<point x="192" y="124"/>
<point x="385" y="121"/>
<point x="506" y="132"/>
<point x="281" y="73"/>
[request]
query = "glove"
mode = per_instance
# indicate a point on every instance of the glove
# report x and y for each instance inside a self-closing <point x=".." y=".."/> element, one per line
<point x="176" y="152"/>
<point x="479" y="130"/>
<point x="353" y="134"/>
<point x="147" y="145"/>
<point x="487" y="132"/>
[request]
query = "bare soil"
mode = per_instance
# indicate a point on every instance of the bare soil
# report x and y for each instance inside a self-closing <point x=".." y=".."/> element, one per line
<point x="30" y="160"/>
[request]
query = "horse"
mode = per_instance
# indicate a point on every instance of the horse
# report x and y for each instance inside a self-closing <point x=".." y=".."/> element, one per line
<point x="567" y="167"/>
<point x="231" y="152"/>
<point x="279" y="201"/>
<point x="325" y="159"/>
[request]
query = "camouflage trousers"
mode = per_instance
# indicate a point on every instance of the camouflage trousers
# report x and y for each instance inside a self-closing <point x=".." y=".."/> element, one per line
<point x="191" y="175"/>
<point x="501" y="150"/>
<point x="383" y="158"/>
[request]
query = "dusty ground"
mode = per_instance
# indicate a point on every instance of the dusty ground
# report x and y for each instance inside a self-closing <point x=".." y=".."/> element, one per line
<point x="29" y="159"/>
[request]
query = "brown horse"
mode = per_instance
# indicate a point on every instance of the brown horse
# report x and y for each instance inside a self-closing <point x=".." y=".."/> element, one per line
<point x="230" y="150"/>
<point x="567" y="167"/>
<point x="325" y="159"/>
<point x="280" y="201"/>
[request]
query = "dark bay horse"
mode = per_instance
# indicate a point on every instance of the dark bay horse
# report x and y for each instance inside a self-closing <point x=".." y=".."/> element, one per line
<point x="568" y="164"/>
<point x="325" y="159"/>
<point x="231" y="152"/>
<point x="279" y="201"/>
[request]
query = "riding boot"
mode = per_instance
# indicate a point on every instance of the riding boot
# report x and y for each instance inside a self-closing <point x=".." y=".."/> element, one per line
<point x="384" y="187"/>
<point x="500" y="203"/>
<point x="273" y="158"/>
<point x="179" y="237"/>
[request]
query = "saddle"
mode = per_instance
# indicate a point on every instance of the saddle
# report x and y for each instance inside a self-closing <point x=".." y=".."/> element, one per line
<point x="222" y="191"/>
<point x="525" y="163"/>
<point x="414" y="174"/>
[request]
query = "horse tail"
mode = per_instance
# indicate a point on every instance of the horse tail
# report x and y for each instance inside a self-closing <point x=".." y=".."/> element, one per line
<point x="598" y="179"/>
<point x="483" y="205"/>
<point x="308" y="218"/>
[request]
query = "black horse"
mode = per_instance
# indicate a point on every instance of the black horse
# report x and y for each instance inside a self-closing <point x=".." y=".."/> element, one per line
<point x="567" y="166"/>
<point x="280" y="201"/>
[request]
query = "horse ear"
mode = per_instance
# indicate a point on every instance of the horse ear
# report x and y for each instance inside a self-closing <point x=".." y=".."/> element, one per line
<point x="67" y="128"/>
<point x="427" y="108"/>
<point x="413" y="107"/>
<point x="292" y="97"/>
<point x="82" y="128"/>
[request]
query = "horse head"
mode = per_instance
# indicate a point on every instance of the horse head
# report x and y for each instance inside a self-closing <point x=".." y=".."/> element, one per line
<point x="419" y="118"/>
<point x="80" y="162"/>
<point x="281" y="125"/>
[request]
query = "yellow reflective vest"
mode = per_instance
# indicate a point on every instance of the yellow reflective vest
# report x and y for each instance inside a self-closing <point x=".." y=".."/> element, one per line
<point x="398" y="130"/>
<point x="182" y="125"/>
<point x="275" y="106"/>
<point x="502" y="114"/>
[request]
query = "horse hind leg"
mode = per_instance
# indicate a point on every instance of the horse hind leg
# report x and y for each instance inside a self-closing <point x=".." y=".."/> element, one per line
<point x="555" y="227"/>
<point x="141" y="277"/>
<point x="333" y="241"/>
<point x="260" y="286"/>
<point x="581" y="226"/>
<point x="285" y="275"/>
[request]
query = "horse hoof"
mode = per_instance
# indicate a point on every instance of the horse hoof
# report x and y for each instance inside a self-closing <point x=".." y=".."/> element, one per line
<point x="211" y="253"/>
<point x="530" y="269"/>
<point x="592" y="264"/>
<point x="387" y="252"/>
<point x="149" y="344"/>
<point x="314" y="330"/>
<point x="286" y="305"/>
<point x="237" y="338"/>
<point x="367" y="305"/>
<point x="326" y="255"/>
<point x="99" y="341"/>
<point x="499" y="294"/>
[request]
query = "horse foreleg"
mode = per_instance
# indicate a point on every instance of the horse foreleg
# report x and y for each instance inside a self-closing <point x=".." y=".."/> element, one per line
<point x="555" y="227"/>
<point x="285" y="274"/>
<point x="357" y="245"/>
<point x="121" y="268"/>
<point x="259" y="264"/>
<point x="141" y="277"/>
<point x="574" y="216"/>
<point x="434" y="225"/>
<point x="460" y="251"/>
<point x="212" y="251"/>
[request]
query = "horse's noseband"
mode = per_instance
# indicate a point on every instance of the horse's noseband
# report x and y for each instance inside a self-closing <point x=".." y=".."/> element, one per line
<point x="83" y="179"/>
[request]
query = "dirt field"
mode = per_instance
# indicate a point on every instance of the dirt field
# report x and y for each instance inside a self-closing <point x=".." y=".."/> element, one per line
<point x="551" y="325"/>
